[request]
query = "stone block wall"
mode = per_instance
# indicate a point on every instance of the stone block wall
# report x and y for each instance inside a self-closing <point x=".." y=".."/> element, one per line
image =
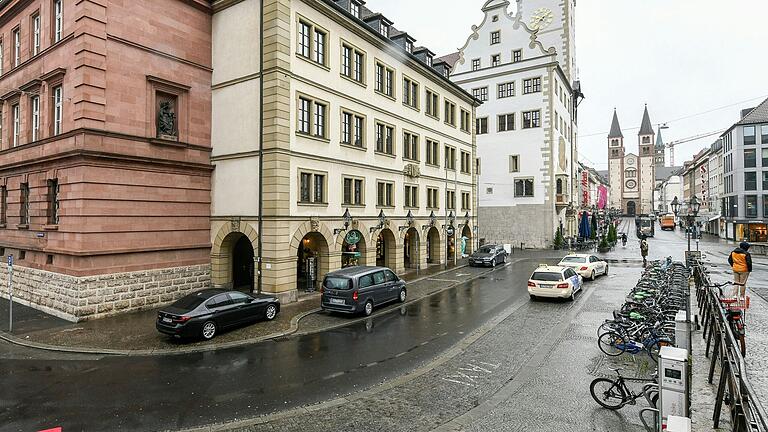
<point x="529" y="224"/>
<point x="82" y="298"/>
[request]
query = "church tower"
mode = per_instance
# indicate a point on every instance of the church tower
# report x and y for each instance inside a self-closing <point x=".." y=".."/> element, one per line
<point x="646" y="139"/>
<point x="661" y="159"/>
<point x="616" y="153"/>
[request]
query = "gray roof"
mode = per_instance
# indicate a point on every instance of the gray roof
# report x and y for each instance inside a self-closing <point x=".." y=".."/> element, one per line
<point x="450" y="59"/>
<point x="664" y="173"/>
<point x="659" y="141"/>
<point x="646" y="128"/>
<point x="757" y="115"/>
<point x="604" y="173"/>
<point x="615" y="128"/>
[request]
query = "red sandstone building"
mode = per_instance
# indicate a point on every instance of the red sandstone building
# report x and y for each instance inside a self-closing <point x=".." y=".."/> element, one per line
<point x="105" y="171"/>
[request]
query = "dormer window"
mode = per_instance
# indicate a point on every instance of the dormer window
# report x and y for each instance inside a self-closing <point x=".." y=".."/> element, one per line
<point x="409" y="46"/>
<point x="429" y="61"/>
<point x="384" y="29"/>
<point x="354" y="9"/>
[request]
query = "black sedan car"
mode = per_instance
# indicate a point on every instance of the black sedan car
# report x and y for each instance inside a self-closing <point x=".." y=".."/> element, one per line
<point x="488" y="255"/>
<point x="205" y="313"/>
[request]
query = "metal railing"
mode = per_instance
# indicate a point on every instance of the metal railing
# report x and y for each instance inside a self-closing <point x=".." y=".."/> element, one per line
<point x="747" y="414"/>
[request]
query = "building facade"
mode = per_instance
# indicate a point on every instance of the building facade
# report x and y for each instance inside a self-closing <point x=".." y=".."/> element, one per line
<point x="715" y="192"/>
<point x="632" y="176"/>
<point x="521" y="65"/>
<point x="367" y="148"/>
<point x="745" y="176"/>
<point x="104" y="152"/>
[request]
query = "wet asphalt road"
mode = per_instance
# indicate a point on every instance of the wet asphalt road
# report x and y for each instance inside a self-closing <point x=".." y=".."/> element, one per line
<point x="174" y="392"/>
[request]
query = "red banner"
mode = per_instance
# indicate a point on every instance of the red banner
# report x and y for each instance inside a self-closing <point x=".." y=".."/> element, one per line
<point x="585" y="188"/>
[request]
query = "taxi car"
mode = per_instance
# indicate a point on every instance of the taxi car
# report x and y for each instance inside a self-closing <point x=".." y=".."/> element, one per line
<point x="554" y="282"/>
<point x="587" y="266"/>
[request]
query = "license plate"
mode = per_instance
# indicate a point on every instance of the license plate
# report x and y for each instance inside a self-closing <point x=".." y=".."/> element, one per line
<point x="546" y="286"/>
<point x="167" y="320"/>
<point x="337" y="301"/>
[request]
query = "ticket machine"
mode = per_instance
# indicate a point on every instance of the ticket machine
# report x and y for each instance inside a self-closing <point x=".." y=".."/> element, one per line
<point x="673" y="384"/>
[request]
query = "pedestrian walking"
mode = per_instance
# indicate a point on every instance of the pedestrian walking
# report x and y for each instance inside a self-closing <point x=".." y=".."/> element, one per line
<point x="741" y="263"/>
<point x="624" y="239"/>
<point x="644" y="250"/>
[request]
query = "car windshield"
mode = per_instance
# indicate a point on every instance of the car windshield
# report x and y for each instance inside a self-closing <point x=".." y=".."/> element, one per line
<point x="573" y="259"/>
<point x="485" y="249"/>
<point x="547" y="276"/>
<point x="338" y="283"/>
<point x="189" y="302"/>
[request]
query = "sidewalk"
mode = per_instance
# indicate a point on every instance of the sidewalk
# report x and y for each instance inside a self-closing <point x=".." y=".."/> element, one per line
<point x="135" y="333"/>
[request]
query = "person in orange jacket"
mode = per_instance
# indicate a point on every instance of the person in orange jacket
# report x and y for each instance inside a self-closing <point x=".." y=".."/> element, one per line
<point x="741" y="263"/>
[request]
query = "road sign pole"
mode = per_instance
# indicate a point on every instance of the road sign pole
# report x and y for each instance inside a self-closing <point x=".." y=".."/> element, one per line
<point x="10" y="293"/>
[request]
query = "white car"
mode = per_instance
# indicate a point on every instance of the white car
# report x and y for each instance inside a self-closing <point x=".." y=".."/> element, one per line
<point x="554" y="282"/>
<point x="588" y="266"/>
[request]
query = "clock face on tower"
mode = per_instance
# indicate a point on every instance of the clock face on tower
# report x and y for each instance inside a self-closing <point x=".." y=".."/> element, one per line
<point x="630" y="161"/>
<point x="631" y="184"/>
<point x="541" y="19"/>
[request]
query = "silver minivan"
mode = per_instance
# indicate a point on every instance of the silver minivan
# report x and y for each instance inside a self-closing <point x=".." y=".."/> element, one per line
<point x="356" y="290"/>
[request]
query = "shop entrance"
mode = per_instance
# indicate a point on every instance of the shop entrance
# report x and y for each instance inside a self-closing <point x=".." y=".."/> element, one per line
<point x="451" y="243"/>
<point x="411" y="249"/>
<point x="433" y="246"/>
<point x="631" y="208"/>
<point x="385" y="249"/>
<point x="353" y="249"/>
<point x="311" y="261"/>
<point x="242" y="264"/>
<point x="466" y="241"/>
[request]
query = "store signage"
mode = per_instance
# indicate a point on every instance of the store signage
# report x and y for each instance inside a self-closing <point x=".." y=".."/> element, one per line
<point x="353" y="237"/>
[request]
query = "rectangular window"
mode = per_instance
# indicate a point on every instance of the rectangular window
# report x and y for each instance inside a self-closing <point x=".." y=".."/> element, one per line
<point x="385" y="194"/>
<point x="410" y="93"/>
<point x="359" y="71"/>
<point x="384" y="79"/>
<point x="53" y="202"/>
<point x="750" y="181"/>
<point x="506" y="90"/>
<point x="514" y="163"/>
<point x="311" y="188"/>
<point x="36" y="34"/>
<point x="524" y="187"/>
<point x="16" y="47"/>
<point x="749" y="135"/>
<point x="433" y="152"/>
<point x="475" y="64"/>
<point x="383" y="29"/>
<point x="517" y="55"/>
<point x="3" y="205"/>
<point x="750" y="158"/>
<point x="318" y="49"/>
<point x="354" y="9"/>
<point x="410" y="146"/>
<point x="506" y="122"/>
<point x="58" y="20"/>
<point x="311" y="117"/>
<point x="353" y="191"/>
<point x="465" y="162"/>
<point x="765" y="185"/>
<point x="58" y="109"/>
<point x="531" y="85"/>
<point x="35" y="118"/>
<point x="346" y="60"/>
<point x="495" y="37"/>
<point x="531" y="119"/>
<point x="466" y="118"/>
<point x="433" y="104"/>
<point x="304" y="115"/>
<point x="352" y="129"/>
<point x="495" y="60"/>
<point x="319" y="187"/>
<point x="319" y="123"/>
<point x="16" y="125"/>
<point x="433" y="196"/>
<point x="346" y="128"/>
<point x="2" y="57"/>
<point x="480" y="93"/>
<point x="764" y="136"/>
<point x="305" y="186"/>
<point x="450" y="113"/>
<point x="450" y="158"/>
<point x="411" y="196"/>
<point x="450" y="199"/>
<point x="481" y="125"/>
<point x="384" y="139"/>
<point x="304" y="45"/>
<point x="24" y="209"/>
<point x="466" y="202"/>
<point x="750" y="204"/>
<point x="311" y="43"/>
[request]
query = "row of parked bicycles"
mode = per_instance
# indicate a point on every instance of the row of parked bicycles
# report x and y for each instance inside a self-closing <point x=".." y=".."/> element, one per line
<point x="643" y="324"/>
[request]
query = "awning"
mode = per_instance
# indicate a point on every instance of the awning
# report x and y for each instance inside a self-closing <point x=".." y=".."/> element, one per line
<point x="714" y="218"/>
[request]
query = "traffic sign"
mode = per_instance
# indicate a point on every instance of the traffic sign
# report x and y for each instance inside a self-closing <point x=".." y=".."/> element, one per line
<point x="10" y="259"/>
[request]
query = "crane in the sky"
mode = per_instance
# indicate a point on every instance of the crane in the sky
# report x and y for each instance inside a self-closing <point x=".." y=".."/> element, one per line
<point x="671" y="145"/>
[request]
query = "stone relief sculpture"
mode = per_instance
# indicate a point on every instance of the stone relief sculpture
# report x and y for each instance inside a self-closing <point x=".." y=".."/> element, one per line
<point x="166" y="120"/>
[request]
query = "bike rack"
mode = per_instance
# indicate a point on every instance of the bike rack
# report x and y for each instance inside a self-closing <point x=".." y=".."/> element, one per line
<point x="648" y="427"/>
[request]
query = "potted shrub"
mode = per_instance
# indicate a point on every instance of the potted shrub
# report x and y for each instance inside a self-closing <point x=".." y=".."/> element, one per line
<point x="559" y="240"/>
<point x="604" y="246"/>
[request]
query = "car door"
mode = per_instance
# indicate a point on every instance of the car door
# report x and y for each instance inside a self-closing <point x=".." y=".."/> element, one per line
<point x="244" y="307"/>
<point x="574" y="278"/>
<point x="393" y="289"/>
<point x="599" y="265"/>
<point x="222" y="309"/>
<point x="380" y="287"/>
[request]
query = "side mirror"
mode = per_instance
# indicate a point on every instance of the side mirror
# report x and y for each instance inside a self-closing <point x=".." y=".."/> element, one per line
<point x="250" y="300"/>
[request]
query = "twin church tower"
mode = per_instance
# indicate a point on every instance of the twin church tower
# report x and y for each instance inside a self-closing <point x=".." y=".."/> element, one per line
<point x="633" y="176"/>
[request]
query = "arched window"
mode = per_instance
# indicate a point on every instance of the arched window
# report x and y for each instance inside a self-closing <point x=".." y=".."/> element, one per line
<point x="559" y="186"/>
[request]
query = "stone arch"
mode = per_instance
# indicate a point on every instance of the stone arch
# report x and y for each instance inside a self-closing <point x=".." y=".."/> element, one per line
<point x="466" y="231"/>
<point x="411" y="241"/>
<point x="392" y="254"/>
<point x="222" y="249"/>
<point x="433" y="245"/>
<point x="321" y="245"/>
<point x="313" y="226"/>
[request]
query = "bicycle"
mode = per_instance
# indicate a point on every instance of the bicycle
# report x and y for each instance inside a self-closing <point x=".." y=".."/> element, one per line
<point x="615" y="394"/>
<point x="613" y="343"/>
<point x="735" y="313"/>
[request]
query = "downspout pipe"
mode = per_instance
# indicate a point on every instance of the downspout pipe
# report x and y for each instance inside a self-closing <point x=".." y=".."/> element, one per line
<point x="261" y="148"/>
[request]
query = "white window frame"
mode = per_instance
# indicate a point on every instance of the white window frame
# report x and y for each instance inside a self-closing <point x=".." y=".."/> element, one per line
<point x="58" y="109"/>
<point x="58" y="20"/>
<point x="35" y="102"/>
<point x="36" y="35"/>
<point x="16" y="110"/>
<point x="17" y="47"/>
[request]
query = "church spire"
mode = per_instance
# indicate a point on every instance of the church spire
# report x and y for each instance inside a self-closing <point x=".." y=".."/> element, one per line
<point x="615" y="128"/>
<point x="659" y="141"/>
<point x="646" y="128"/>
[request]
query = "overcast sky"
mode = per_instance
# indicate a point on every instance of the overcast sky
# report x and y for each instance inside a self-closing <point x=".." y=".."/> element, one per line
<point x="681" y="57"/>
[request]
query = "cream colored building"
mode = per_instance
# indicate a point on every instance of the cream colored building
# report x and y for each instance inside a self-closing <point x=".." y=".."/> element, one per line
<point x="357" y="119"/>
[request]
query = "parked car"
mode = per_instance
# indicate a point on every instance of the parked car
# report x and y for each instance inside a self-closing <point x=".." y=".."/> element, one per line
<point x="554" y="282"/>
<point x="587" y="266"/>
<point x="355" y="290"/>
<point x="488" y="255"/>
<point x="205" y="313"/>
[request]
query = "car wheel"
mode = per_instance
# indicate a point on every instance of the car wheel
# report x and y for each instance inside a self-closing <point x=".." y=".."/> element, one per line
<point x="271" y="312"/>
<point x="605" y="273"/>
<point x="573" y="295"/>
<point x="368" y="308"/>
<point x="533" y="297"/>
<point x="209" y="330"/>
<point x="493" y="262"/>
<point x="593" y="277"/>
<point x="403" y="295"/>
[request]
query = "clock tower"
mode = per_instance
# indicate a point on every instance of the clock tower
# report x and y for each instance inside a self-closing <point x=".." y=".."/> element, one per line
<point x="616" y="153"/>
<point x="647" y="174"/>
<point x="554" y="22"/>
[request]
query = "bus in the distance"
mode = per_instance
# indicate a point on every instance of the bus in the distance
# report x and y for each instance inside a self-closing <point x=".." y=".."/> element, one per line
<point x="645" y="226"/>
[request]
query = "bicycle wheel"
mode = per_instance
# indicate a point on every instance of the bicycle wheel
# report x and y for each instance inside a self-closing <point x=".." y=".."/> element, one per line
<point x="612" y="344"/>
<point x="742" y="344"/>
<point x="653" y="352"/>
<point x="607" y="393"/>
